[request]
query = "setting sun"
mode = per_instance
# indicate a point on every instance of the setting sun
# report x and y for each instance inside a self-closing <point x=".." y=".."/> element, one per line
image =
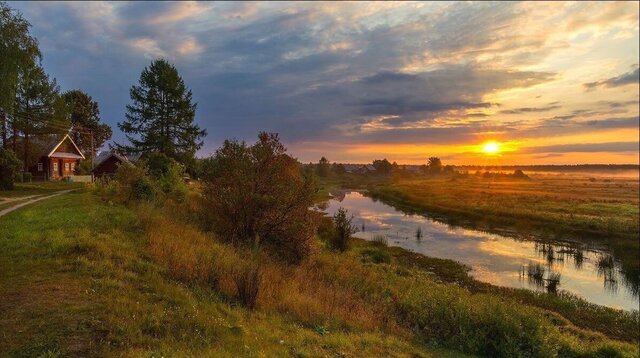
<point x="491" y="148"/>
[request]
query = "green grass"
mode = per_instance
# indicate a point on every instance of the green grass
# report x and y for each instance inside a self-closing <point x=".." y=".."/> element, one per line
<point x="77" y="282"/>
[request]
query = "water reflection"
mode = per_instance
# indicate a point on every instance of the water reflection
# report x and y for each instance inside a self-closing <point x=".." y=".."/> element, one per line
<point x="589" y="272"/>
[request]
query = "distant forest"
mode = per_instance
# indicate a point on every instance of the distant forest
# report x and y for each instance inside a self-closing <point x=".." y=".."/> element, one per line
<point x="540" y="168"/>
<point x="555" y="168"/>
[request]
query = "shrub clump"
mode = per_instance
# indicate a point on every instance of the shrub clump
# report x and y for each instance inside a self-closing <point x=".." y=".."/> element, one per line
<point x="342" y="230"/>
<point x="9" y="166"/>
<point x="133" y="184"/>
<point x="142" y="189"/>
<point x="168" y="174"/>
<point x="157" y="177"/>
<point x="259" y="191"/>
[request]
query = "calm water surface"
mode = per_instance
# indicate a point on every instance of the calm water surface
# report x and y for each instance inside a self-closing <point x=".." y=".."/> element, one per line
<point x="588" y="272"/>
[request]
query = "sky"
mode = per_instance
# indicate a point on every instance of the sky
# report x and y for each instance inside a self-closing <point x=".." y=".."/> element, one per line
<point x="547" y="83"/>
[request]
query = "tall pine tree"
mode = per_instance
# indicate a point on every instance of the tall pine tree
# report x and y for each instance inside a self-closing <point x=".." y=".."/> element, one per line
<point x="161" y="115"/>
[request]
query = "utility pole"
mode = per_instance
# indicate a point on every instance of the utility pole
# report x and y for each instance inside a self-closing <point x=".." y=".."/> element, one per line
<point x="92" y="149"/>
<point x="4" y="128"/>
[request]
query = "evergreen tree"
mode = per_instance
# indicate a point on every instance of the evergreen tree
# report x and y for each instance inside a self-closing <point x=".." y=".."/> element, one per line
<point x="161" y="115"/>
<point x="85" y="120"/>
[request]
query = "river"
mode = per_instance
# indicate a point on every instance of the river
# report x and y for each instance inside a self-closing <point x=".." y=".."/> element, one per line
<point x="586" y="271"/>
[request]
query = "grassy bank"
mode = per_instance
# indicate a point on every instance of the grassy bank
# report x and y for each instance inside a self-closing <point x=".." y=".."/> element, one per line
<point x="100" y="278"/>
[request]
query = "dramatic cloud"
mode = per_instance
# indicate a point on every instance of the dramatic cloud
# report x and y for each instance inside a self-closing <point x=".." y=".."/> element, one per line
<point x="628" y="78"/>
<point x="547" y="108"/>
<point x="381" y="76"/>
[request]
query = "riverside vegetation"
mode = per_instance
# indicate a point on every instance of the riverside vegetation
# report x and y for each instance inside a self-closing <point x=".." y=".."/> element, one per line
<point x="141" y="266"/>
<point x="583" y="208"/>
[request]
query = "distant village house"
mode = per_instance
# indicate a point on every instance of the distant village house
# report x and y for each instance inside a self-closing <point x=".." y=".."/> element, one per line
<point x="359" y="168"/>
<point x="108" y="162"/>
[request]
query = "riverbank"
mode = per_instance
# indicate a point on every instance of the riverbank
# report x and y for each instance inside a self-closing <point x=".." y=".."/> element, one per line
<point x="496" y="263"/>
<point x="503" y="191"/>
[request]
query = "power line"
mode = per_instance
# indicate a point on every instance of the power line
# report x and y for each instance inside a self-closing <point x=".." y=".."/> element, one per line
<point x="58" y="124"/>
<point x="53" y="123"/>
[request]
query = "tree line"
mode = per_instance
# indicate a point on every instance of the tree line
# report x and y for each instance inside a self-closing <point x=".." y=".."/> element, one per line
<point x="381" y="167"/>
<point x="32" y="106"/>
<point x="34" y="110"/>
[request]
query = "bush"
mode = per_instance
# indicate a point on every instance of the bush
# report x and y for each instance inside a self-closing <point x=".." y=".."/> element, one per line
<point x="133" y="183"/>
<point x="142" y="189"/>
<point x="260" y="191"/>
<point x="9" y="166"/>
<point x="106" y="187"/>
<point x="168" y="174"/>
<point x="343" y="229"/>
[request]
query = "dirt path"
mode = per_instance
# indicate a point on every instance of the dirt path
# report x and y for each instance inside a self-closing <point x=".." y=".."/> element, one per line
<point x="18" y="198"/>
<point x="18" y="206"/>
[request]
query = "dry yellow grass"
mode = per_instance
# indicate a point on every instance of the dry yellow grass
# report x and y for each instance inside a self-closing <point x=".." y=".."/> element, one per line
<point x="305" y="292"/>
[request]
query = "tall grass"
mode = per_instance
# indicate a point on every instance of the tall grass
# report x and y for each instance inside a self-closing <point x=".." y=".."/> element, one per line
<point x="247" y="278"/>
<point x="535" y="272"/>
<point x="380" y="240"/>
<point x="304" y="291"/>
<point x="553" y="281"/>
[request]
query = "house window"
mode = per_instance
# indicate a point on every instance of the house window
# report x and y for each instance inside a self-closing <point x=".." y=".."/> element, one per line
<point x="39" y="167"/>
<point x="55" y="166"/>
<point x="66" y="167"/>
<point x="73" y="167"/>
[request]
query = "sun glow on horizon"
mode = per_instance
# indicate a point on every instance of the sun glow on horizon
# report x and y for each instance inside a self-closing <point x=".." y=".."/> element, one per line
<point x="491" y="148"/>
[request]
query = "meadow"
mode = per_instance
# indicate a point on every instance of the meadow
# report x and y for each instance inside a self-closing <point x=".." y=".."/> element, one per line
<point x="101" y="278"/>
<point x="551" y="205"/>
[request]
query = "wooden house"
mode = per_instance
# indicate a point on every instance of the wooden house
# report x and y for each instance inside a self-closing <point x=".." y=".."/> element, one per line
<point x="59" y="160"/>
<point x="108" y="162"/>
